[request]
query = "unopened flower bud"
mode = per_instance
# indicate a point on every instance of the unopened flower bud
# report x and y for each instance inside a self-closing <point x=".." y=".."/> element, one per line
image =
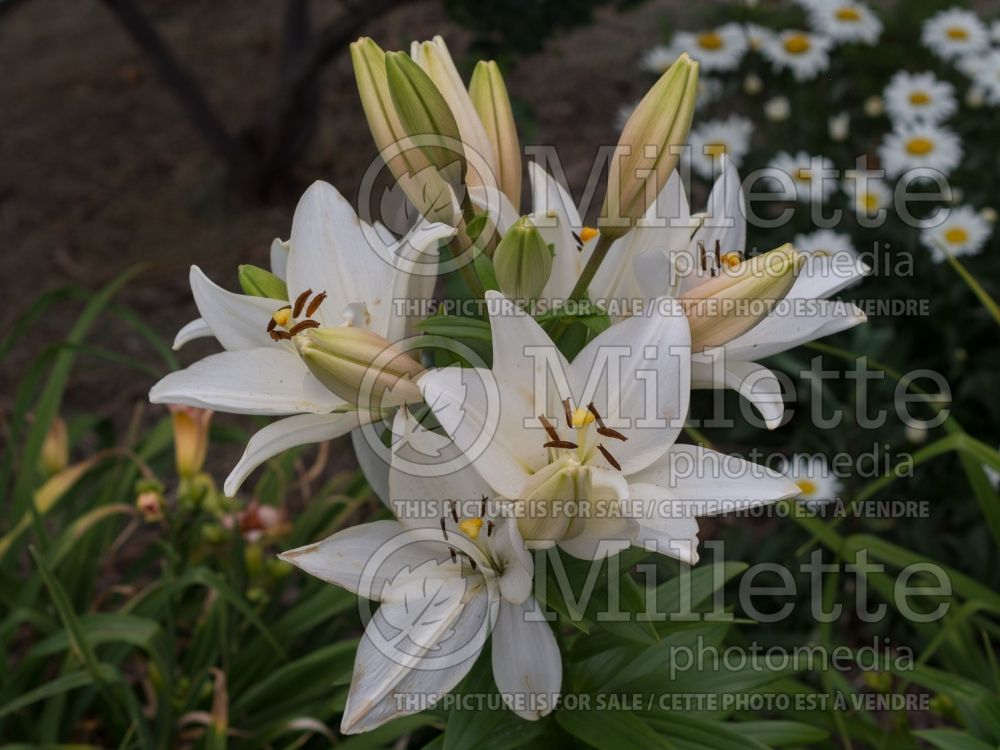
<point x="260" y="283"/>
<point x="190" y="438"/>
<point x="777" y="109"/>
<point x="752" y="84"/>
<point x="149" y="504"/>
<point x="489" y="96"/>
<point x="648" y="148"/>
<point x="522" y="261"/>
<point x="975" y="97"/>
<point x="54" y="456"/>
<point x="738" y="298"/>
<point x="362" y="367"/>
<point x="874" y="106"/>
<point x="839" y="126"/>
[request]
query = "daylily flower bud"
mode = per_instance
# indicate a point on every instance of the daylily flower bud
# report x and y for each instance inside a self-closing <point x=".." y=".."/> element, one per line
<point x="190" y="438"/>
<point x="426" y="116"/>
<point x="360" y="366"/>
<point x="420" y="181"/>
<point x="149" y="504"/>
<point x="522" y="261"/>
<point x="434" y="59"/>
<point x="54" y="456"/>
<point x="646" y="153"/>
<point x="489" y="95"/>
<point x="733" y="302"/>
<point x="260" y="283"/>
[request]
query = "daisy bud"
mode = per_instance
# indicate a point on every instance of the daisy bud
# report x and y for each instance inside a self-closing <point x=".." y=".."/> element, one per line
<point x="419" y="180"/>
<point x="522" y="261"/>
<point x="54" y="456"/>
<point x="426" y="116"/>
<point x="874" y="106"/>
<point x="975" y="97"/>
<point x="839" y="126"/>
<point x="648" y="148"/>
<point x="260" y="283"/>
<point x="434" y="59"/>
<point x="362" y="367"/>
<point x="742" y="295"/>
<point x="777" y="109"/>
<point x="489" y="95"/>
<point x="989" y="214"/>
<point x="752" y="84"/>
<point x="190" y="438"/>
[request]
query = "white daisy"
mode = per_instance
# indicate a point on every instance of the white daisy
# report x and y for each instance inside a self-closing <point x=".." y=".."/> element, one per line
<point x="817" y="482"/>
<point x="718" y="49"/>
<point x="837" y="246"/>
<point x="807" y="174"/>
<point x="845" y="21"/>
<point x="995" y="30"/>
<point x="954" y="33"/>
<point x="869" y="194"/>
<point x="657" y="59"/>
<point x="964" y="232"/>
<point x="912" y="97"/>
<point x="777" y="109"/>
<point x="802" y="53"/>
<point x="984" y="70"/>
<point x="710" y="140"/>
<point x="920" y="146"/>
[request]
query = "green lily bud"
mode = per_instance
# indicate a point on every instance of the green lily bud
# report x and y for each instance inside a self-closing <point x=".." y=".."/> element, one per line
<point x="522" y="261"/>
<point x="434" y="59"/>
<point x="362" y="367"/>
<point x="426" y="116"/>
<point x="741" y="296"/>
<point x="257" y="282"/>
<point x="489" y="95"/>
<point x="420" y="181"/>
<point x="645" y="155"/>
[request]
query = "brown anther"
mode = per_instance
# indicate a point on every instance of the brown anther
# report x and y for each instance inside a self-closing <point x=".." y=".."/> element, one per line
<point x="609" y="457"/>
<point x="703" y="255"/>
<point x="489" y="528"/>
<point x="303" y="325"/>
<point x="549" y="429"/>
<point x="274" y="335"/>
<point x="271" y="324"/>
<point x="454" y="513"/>
<point x="472" y="562"/>
<point x="482" y="508"/>
<point x="568" y="412"/>
<point x="454" y="557"/>
<point x="561" y="444"/>
<point x="444" y="530"/>
<point x="300" y="301"/>
<point x="281" y="335"/>
<point x="314" y="305"/>
<point x="603" y="429"/>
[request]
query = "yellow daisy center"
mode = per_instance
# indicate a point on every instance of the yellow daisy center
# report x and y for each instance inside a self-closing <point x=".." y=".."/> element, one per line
<point x="797" y="44"/>
<point x="869" y="201"/>
<point x="957" y="32"/>
<point x="956" y="236"/>
<point x="919" y="98"/>
<point x="715" y="150"/>
<point x="919" y="146"/>
<point x="848" y="14"/>
<point x="710" y="40"/>
<point x="806" y="486"/>
<point x="803" y="175"/>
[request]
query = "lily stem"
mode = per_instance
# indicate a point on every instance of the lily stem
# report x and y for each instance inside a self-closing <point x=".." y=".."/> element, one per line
<point x="579" y="292"/>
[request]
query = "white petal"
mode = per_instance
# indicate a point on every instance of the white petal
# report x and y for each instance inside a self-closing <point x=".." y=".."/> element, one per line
<point x="373" y="458"/>
<point x="605" y="530"/>
<point x="277" y="437"/>
<point x="787" y="327"/>
<point x="279" y="258"/>
<point x="238" y="321"/>
<point x="754" y="382"/>
<point x="548" y="195"/>
<point x="822" y="276"/>
<point x="412" y="649"/>
<point x="638" y="375"/>
<point x="527" y="665"/>
<point x="413" y="277"/>
<point x="196" y="329"/>
<point x="725" y="215"/>
<point x="251" y="381"/>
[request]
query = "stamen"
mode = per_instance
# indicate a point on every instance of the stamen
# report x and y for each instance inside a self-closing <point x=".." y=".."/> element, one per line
<point x="281" y="335"/>
<point x="579" y="241"/>
<point x="569" y="413"/>
<point x="489" y="528"/>
<point x="549" y="429"/>
<point x="314" y="305"/>
<point x="300" y="301"/>
<point x="581" y="418"/>
<point x="588" y="233"/>
<point x="471" y="527"/>
<point x="603" y="429"/>
<point x="283" y="316"/>
<point x="561" y="444"/>
<point x="609" y="457"/>
<point x="305" y="324"/>
<point x="703" y="254"/>
<point x="271" y="324"/>
<point x="471" y="562"/>
<point x="454" y="513"/>
<point x="482" y="509"/>
<point x="454" y="557"/>
<point x="444" y="530"/>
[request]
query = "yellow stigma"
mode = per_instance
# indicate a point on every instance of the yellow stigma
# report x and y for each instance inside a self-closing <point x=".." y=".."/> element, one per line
<point x="715" y="150"/>
<point x="870" y="201"/>
<point x="919" y="98"/>
<point x="919" y="146"/>
<point x="471" y="527"/>
<point x="732" y="259"/>
<point x="796" y="44"/>
<point x="582" y="417"/>
<point x="710" y="40"/>
<point x="283" y="316"/>
<point x="956" y="235"/>
<point x="957" y="32"/>
<point x="848" y="14"/>
<point x="806" y="486"/>
<point x="803" y="175"/>
<point x="588" y="233"/>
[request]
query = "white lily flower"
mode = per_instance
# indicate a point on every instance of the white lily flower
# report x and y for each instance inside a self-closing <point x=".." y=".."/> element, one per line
<point x="578" y="444"/>
<point x="447" y="580"/>
<point x="339" y="272"/>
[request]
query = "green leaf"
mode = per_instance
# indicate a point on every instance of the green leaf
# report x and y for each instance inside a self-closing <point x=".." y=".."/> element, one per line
<point x="781" y="733"/>
<point x="611" y="730"/>
<point x="694" y="732"/>
<point x="952" y="739"/>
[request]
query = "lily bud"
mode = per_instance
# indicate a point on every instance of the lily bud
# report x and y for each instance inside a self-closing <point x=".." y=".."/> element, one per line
<point x="434" y="59"/>
<point x="190" y="438"/>
<point x="420" y="181"/>
<point x="522" y="261"/>
<point x="645" y="155"/>
<point x="489" y="96"/>
<point x="54" y="456"/>
<point x="260" y="283"/>
<point x="736" y="300"/>
<point x="362" y="367"/>
<point x="149" y="504"/>
<point x="426" y="116"/>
